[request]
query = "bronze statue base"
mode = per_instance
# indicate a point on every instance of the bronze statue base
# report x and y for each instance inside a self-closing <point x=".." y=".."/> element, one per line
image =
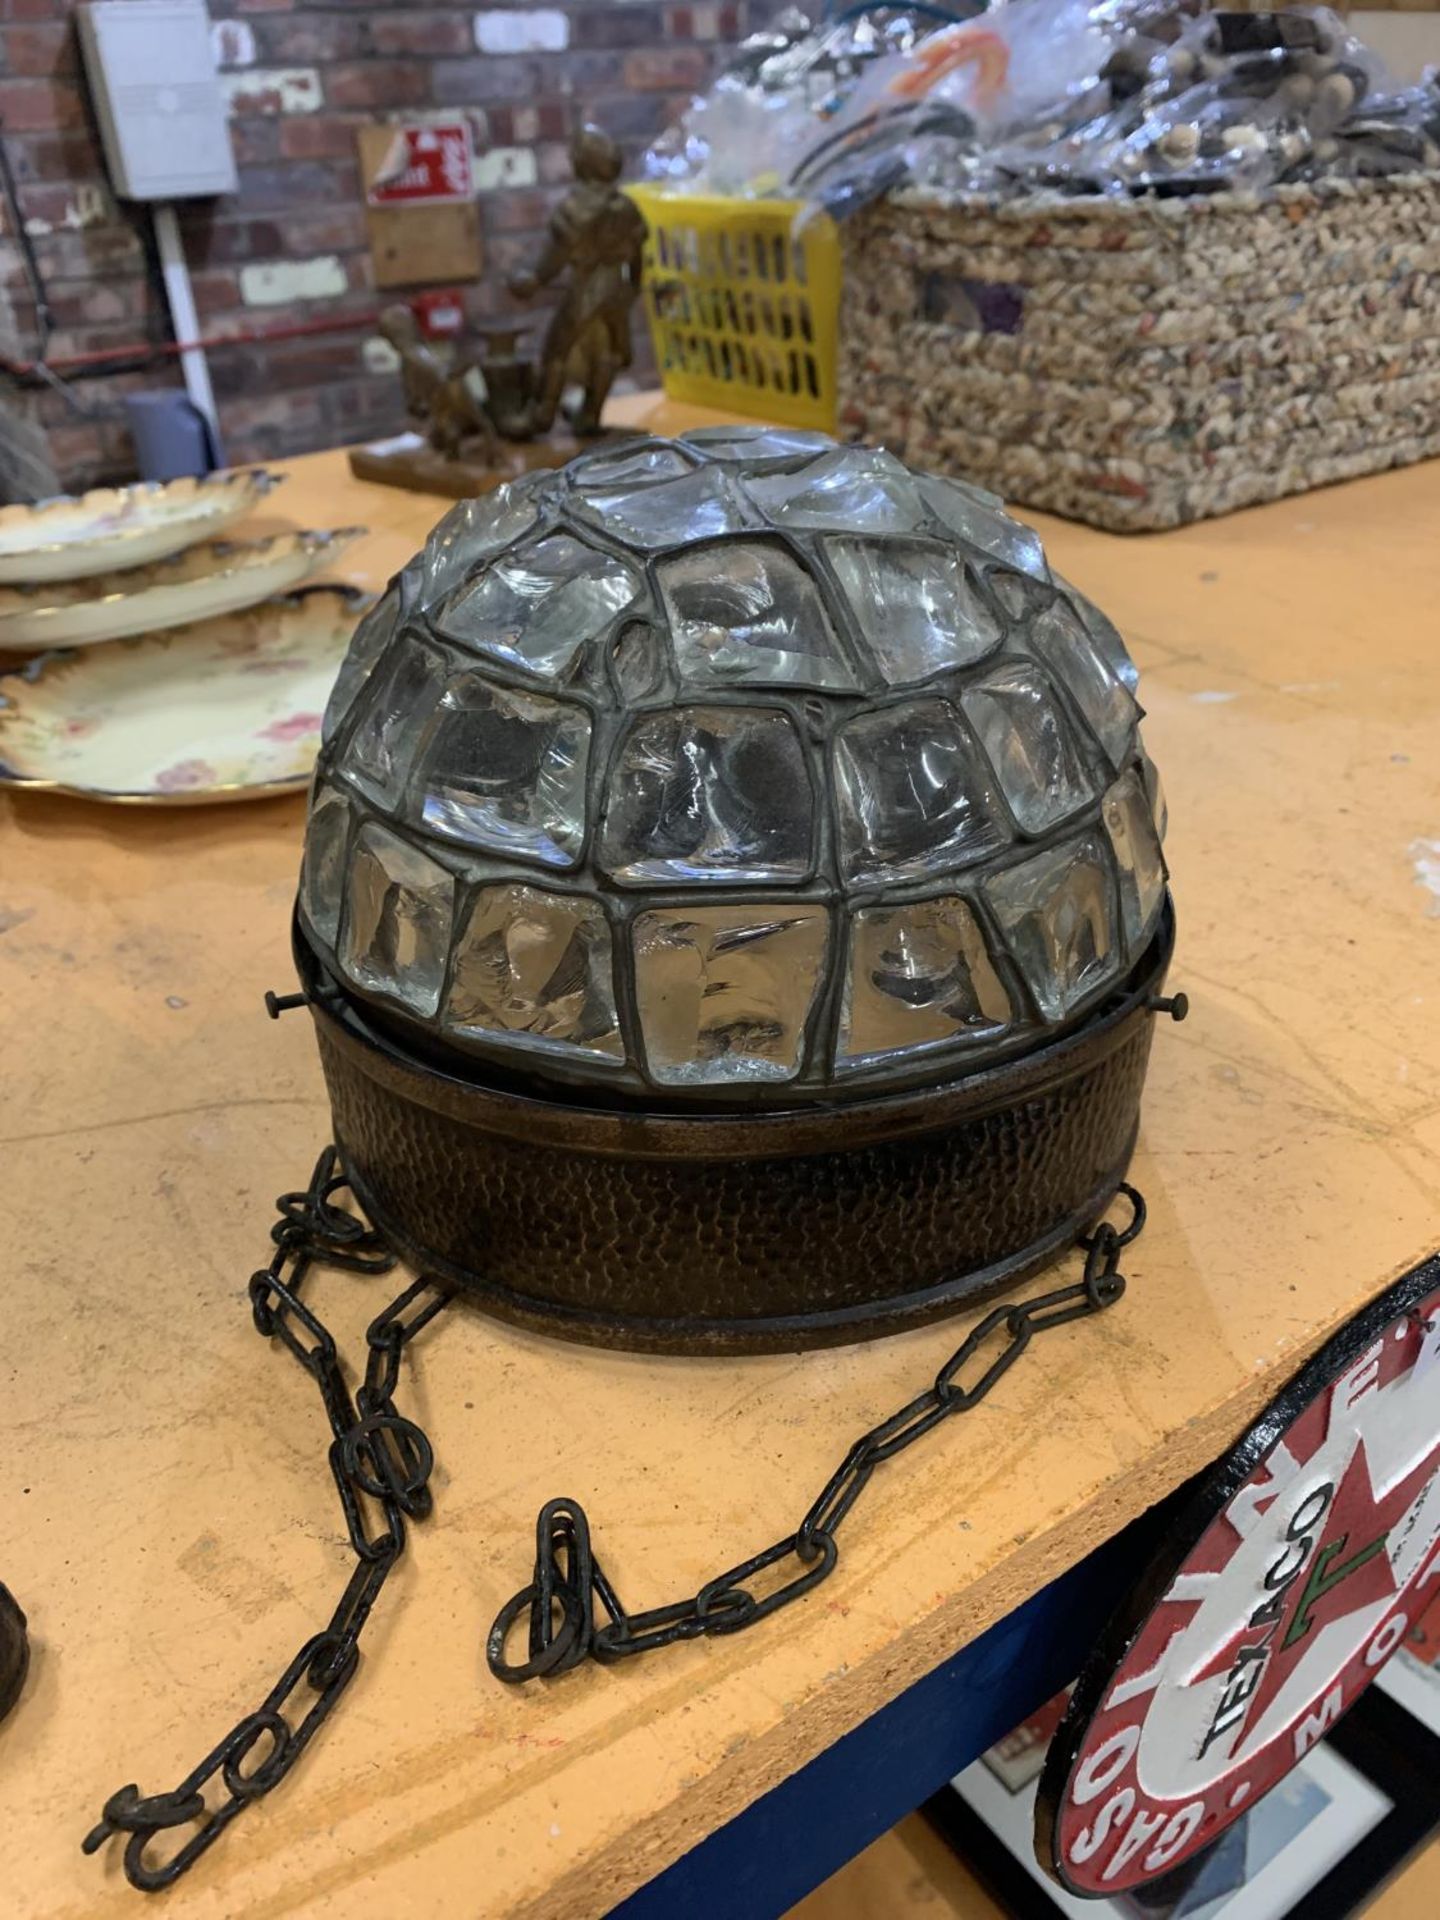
<point x="738" y="1232"/>
<point x="411" y="462"/>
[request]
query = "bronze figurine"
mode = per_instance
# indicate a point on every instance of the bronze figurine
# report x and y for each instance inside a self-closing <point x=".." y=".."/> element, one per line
<point x="599" y="234"/>
<point x="439" y="396"/>
<point x="488" y="411"/>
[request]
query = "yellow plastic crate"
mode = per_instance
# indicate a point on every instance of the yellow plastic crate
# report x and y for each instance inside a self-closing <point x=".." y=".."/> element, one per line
<point x="743" y="314"/>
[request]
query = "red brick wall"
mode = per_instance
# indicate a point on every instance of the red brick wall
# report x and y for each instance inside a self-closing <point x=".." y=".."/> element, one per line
<point x="300" y="77"/>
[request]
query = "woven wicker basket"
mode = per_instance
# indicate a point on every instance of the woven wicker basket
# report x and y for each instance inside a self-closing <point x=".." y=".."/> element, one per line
<point x="1146" y="363"/>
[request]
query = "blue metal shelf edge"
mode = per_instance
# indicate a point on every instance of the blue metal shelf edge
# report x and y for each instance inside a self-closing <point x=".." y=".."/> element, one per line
<point x="798" y="1834"/>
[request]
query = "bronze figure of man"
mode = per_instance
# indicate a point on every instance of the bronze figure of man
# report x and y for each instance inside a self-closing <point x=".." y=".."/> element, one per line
<point x="599" y="234"/>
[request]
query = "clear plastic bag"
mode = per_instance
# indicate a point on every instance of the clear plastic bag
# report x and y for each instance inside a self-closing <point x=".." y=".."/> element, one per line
<point x="785" y="86"/>
<point x="1388" y="133"/>
<point x="1237" y="100"/>
<point x="962" y="85"/>
<point x="1197" y="104"/>
<point x="1123" y="97"/>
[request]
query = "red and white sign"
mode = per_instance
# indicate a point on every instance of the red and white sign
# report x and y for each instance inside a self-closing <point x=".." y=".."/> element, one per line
<point x="424" y="165"/>
<point x="1316" y="1550"/>
<point x="440" y="311"/>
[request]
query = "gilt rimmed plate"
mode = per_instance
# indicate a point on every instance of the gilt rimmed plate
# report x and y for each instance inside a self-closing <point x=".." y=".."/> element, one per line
<point x="77" y="536"/>
<point x="218" y="577"/>
<point x="227" y="709"/>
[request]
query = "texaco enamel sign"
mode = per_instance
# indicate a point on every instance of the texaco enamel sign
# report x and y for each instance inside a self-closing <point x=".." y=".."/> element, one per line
<point x="1293" y="1577"/>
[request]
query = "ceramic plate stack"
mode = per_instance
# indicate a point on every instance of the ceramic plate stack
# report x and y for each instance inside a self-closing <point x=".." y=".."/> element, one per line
<point x="166" y="663"/>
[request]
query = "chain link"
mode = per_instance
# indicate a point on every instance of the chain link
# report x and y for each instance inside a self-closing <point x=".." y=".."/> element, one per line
<point x="381" y="1462"/>
<point x="569" y="1585"/>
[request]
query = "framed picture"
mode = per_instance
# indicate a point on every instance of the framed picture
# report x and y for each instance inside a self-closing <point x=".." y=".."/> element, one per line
<point x="1412" y="1676"/>
<point x="1314" y="1848"/>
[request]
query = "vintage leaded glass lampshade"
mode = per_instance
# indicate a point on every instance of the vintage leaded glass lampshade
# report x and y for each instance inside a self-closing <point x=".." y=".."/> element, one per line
<point x="732" y="866"/>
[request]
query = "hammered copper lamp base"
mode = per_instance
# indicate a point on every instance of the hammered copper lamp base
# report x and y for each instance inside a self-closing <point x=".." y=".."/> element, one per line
<point x="14" y="1650"/>
<point x="737" y="1232"/>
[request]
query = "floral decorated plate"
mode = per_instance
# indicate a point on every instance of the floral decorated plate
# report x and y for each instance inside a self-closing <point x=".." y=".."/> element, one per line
<point x="217" y="577"/>
<point x="227" y="709"/>
<point x="75" y="537"/>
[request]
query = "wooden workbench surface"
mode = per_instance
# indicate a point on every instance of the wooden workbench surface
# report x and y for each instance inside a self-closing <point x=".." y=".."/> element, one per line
<point x="168" y="1520"/>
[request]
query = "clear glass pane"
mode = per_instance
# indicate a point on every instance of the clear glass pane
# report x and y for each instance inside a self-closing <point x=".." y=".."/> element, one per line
<point x="629" y="466"/>
<point x="920" y="976"/>
<point x="322" y="878"/>
<point x="977" y="518"/>
<point x="397" y="919"/>
<point x="1104" y="635"/>
<point x="1136" y="846"/>
<point x="474" y="531"/>
<point x="914" y="797"/>
<point x="746" y="613"/>
<point x="916" y="605"/>
<point x="1154" y="791"/>
<point x="368" y="643"/>
<point x="639" y="656"/>
<point x="1017" y="716"/>
<point x="1056" y="911"/>
<point x="852" y="489"/>
<point x="709" y="793"/>
<point x="1061" y="641"/>
<point x="401" y="698"/>
<point x="696" y="507"/>
<point x="507" y="771"/>
<point x="758" y="447"/>
<point x="534" y="966"/>
<point x="1018" y="595"/>
<point x="537" y="607"/>
<point x="724" y="992"/>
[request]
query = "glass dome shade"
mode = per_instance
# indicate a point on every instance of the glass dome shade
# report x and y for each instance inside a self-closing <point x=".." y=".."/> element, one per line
<point x="743" y="767"/>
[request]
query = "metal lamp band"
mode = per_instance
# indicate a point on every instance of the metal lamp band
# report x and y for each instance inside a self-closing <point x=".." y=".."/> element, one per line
<point x="14" y="1650"/>
<point x="721" y="1233"/>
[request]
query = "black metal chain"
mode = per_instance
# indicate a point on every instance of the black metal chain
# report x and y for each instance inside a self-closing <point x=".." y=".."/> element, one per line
<point x="380" y="1459"/>
<point x="560" y="1601"/>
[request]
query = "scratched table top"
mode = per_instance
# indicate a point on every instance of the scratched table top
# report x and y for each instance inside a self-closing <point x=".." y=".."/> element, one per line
<point x="168" y="1520"/>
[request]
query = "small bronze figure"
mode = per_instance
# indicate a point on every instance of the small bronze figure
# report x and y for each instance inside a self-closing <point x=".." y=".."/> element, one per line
<point x="509" y="382"/>
<point x="488" y="415"/>
<point x="439" y="396"/>
<point x="599" y="234"/>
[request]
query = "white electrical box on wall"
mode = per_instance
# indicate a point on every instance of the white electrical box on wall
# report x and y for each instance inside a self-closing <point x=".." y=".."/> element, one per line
<point x="157" y="97"/>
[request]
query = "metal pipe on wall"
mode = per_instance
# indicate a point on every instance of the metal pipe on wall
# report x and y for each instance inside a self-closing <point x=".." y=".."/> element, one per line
<point x="185" y="323"/>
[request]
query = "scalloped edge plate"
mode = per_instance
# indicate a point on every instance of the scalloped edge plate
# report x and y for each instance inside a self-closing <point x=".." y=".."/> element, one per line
<point x="73" y="537"/>
<point x="220" y="576"/>
<point x="226" y="709"/>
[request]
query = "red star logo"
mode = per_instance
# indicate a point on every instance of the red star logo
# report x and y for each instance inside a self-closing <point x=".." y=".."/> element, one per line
<point x="1346" y="1570"/>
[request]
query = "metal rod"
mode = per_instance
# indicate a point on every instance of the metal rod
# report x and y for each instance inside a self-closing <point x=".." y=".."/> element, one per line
<point x="171" y="349"/>
<point x="181" y="297"/>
